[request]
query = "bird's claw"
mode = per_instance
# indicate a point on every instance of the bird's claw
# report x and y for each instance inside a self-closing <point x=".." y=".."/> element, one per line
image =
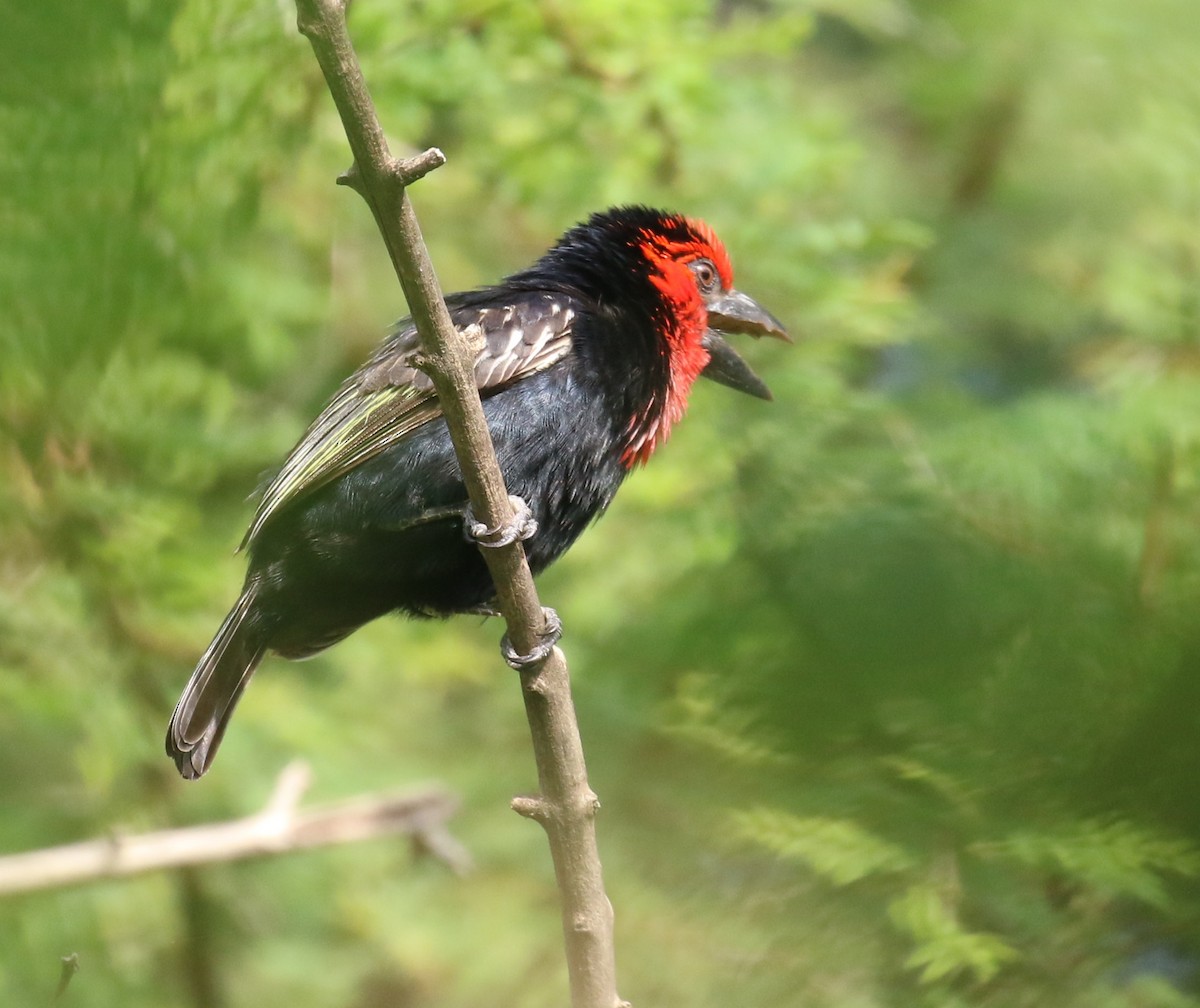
<point x="549" y="636"/>
<point x="522" y="526"/>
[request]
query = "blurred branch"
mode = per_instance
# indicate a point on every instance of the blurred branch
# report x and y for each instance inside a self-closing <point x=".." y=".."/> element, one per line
<point x="566" y="806"/>
<point x="278" y="829"/>
<point x="70" y="966"/>
<point x="989" y="141"/>
<point x="1156" y="547"/>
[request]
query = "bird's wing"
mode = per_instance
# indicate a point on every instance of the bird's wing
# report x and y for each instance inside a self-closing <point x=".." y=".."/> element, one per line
<point x="389" y="397"/>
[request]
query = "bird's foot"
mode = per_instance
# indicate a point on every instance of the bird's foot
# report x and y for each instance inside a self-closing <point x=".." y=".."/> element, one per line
<point x="551" y="632"/>
<point x="522" y="526"/>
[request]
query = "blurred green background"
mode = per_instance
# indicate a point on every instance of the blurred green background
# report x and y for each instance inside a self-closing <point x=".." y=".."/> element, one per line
<point x="890" y="688"/>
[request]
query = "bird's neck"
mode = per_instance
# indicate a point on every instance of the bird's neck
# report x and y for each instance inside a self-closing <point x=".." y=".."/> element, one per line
<point x="646" y="352"/>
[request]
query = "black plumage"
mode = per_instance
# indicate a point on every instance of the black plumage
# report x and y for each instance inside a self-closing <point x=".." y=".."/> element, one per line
<point x="585" y="361"/>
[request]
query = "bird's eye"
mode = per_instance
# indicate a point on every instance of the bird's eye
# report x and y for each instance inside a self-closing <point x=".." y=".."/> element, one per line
<point x="707" y="278"/>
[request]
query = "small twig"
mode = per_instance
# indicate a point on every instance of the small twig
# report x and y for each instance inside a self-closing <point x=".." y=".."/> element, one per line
<point x="567" y="805"/>
<point x="280" y="827"/>
<point x="1156" y="549"/>
<point x="70" y="966"/>
<point x="406" y="171"/>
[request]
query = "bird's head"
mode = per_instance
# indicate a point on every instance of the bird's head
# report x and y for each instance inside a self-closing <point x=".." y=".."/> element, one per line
<point x="666" y="282"/>
<point x="692" y="272"/>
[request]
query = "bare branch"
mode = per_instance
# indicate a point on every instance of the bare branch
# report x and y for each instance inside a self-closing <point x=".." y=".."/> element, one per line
<point x="449" y="360"/>
<point x="70" y="966"/>
<point x="279" y="828"/>
<point x="567" y="805"/>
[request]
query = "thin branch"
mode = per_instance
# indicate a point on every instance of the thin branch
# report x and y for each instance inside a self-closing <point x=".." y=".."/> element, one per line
<point x="448" y="360"/>
<point x="279" y="828"/>
<point x="70" y="966"/>
<point x="1156" y="545"/>
<point x="566" y="806"/>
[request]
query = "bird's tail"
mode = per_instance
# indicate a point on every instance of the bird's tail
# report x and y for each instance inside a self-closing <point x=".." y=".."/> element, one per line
<point x="211" y="694"/>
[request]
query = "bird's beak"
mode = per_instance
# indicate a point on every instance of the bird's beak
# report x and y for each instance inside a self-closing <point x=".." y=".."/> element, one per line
<point x="734" y="312"/>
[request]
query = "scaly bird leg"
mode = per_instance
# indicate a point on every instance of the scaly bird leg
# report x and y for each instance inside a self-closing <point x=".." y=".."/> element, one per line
<point x="522" y="526"/>
<point x="549" y="636"/>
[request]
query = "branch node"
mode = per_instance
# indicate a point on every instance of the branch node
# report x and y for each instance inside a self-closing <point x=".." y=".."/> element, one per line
<point x="278" y="816"/>
<point x="307" y="26"/>
<point x="406" y="171"/>
<point x="311" y="17"/>
<point x="294" y="779"/>
<point x="532" y="807"/>
<point x="352" y="178"/>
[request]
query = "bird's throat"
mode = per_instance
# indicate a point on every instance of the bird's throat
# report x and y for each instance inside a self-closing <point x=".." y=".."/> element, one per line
<point x="682" y="326"/>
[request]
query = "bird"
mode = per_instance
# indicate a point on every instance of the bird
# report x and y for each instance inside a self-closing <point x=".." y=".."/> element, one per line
<point x="585" y="361"/>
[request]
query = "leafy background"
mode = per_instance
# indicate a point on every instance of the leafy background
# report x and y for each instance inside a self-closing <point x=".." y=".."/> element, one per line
<point x="890" y="687"/>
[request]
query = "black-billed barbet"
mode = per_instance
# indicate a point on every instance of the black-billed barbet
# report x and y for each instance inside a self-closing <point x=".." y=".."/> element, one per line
<point x="586" y="362"/>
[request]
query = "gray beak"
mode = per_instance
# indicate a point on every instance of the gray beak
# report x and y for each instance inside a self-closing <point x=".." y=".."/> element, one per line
<point x="735" y="312"/>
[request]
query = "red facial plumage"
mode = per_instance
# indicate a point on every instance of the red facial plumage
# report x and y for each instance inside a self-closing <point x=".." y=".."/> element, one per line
<point x="685" y="320"/>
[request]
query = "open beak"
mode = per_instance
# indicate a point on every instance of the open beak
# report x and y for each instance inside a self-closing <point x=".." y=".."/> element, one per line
<point x="734" y="312"/>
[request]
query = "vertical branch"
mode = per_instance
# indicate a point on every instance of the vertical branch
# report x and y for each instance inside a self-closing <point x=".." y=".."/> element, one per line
<point x="70" y="966"/>
<point x="566" y="806"/>
<point x="197" y="961"/>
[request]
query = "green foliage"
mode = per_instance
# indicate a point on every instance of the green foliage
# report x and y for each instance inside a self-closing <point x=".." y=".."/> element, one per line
<point x="837" y="849"/>
<point x="1114" y="860"/>
<point x="925" y="624"/>
<point x="944" y="949"/>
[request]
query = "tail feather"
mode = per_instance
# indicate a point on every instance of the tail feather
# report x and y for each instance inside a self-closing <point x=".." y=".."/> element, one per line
<point x="208" y="700"/>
